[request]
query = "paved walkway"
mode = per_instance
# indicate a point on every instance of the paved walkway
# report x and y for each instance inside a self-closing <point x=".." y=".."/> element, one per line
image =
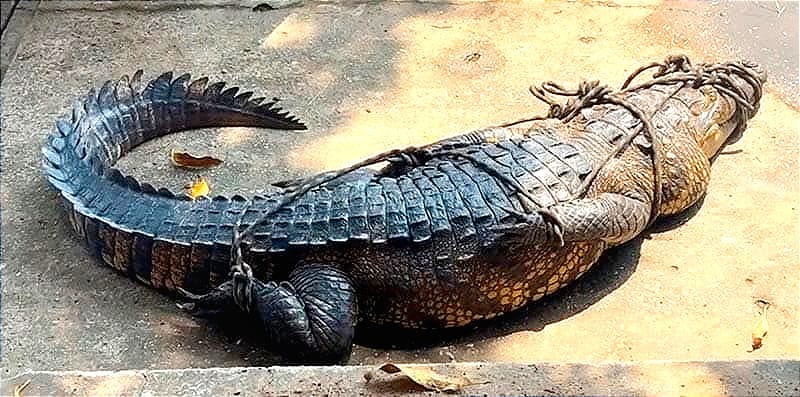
<point x="370" y="76"/>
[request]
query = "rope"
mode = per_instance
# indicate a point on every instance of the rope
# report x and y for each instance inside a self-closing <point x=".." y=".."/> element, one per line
<point x="591" y="93"/>
<point x="674" y="70"/>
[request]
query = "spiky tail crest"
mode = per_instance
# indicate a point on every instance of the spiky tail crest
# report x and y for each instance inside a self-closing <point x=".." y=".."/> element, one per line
<point x="108" y="123"/>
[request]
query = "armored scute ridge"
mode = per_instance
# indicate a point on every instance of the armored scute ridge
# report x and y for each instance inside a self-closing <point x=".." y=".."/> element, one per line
<point x="445" y="234"/>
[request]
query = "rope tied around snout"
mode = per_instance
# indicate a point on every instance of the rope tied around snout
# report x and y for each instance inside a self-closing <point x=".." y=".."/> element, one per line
<point x="678" y="69"/>
<point x="675" y="69"/>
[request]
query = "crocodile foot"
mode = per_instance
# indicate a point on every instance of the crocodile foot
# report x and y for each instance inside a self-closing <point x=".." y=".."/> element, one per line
<point x="311" y="316"/>
<point x="541" y="227"/>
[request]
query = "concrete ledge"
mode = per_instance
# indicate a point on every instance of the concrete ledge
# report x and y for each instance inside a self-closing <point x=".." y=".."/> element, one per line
<point x="768" y="377"/>
<point x="162" y="5"/>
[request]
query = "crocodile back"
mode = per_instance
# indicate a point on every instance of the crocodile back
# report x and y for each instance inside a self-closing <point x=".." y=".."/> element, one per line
<point x="454" y="197"/>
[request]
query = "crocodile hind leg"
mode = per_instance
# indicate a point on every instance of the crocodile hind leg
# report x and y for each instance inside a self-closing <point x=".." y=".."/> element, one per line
<point x="310" y="317"/>
<point x="313" y="314"/>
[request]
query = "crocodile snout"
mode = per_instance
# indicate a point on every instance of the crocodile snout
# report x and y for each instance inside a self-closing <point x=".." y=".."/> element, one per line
<point x="750" y="79"/>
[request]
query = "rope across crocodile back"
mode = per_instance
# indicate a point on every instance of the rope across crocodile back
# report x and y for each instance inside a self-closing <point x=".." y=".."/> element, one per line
<point x="674" y="70"/>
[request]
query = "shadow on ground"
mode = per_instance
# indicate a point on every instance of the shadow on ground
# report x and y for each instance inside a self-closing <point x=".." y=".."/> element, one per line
<point x="613" y="268"/>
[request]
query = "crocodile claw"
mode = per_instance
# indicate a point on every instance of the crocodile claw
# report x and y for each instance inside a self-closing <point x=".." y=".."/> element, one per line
<point x="542" y="227"/>
<point x="217" y="301"/>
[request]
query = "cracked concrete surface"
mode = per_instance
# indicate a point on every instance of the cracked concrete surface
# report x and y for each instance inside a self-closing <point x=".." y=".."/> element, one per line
<point x="737" y="378"/>
<point x="367" y="77"/>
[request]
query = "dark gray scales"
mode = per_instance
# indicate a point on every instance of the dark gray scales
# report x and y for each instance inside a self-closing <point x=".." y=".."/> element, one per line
<point x="460" y="193"/>
<point x="376" y="212"/>
<point x="455" y="194"/>
<point x="110" y="210"/>
<point x="301" y="227"/>
<point x="417" y="218"/>
<point x="396" y="224"/>
<point x="339" y="228"/>
<point x="433" y="203"/>
<point x="458" y="216"/>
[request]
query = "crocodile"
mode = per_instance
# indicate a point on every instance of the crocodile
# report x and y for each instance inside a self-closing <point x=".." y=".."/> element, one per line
<point x="455" y="231"/>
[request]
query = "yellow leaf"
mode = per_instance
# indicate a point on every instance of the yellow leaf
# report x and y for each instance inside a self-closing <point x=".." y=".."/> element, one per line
<point x="187" y="160"/>
<point x="492" y="139"/>
<point x="199" y="187"/>
<point x="19" y="388"/>
<point x="430" y="379"/>
<point x="761" y="328"/>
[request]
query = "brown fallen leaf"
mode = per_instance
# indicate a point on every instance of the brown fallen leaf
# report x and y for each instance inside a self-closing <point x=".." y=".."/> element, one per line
<point x="19" y="388"/>
<point x="187" y="160"/>
<point x="430" y="379"/>
<point x="761" y="328"/>
<point x="197" y="188"/>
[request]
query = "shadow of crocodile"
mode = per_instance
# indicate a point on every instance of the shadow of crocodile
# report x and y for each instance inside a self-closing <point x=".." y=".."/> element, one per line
<point x="613" y="269"/>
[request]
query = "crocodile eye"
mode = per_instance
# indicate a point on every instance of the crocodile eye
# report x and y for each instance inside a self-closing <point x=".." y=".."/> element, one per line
<point x="706" y="102"/>
<point x="710" y="95"/>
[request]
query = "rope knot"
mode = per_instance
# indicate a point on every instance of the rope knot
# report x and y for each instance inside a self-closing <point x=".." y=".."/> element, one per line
<point x="556" y="111"/>
<point x="674" y="63"/>
<point x="585" y="88"/>
<point x="586" y="94"/>
<point x="241" y="273"/>
<point x="242" y="278"/>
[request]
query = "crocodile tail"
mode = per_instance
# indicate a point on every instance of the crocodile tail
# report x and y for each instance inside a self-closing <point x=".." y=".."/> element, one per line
<point x="133" y="226"/>
<point x="121" y="115"/>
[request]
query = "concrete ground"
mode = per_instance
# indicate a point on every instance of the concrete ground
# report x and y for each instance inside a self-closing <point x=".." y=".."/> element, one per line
<point x="376" y="75"/>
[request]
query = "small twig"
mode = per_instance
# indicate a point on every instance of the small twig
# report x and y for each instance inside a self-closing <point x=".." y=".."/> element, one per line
<point x="472" y="57"/>
<point x="762" y="302"/>
<point x="734" y="151"/>
<point x="778" y="9"/>
<point x="18" y="390"/>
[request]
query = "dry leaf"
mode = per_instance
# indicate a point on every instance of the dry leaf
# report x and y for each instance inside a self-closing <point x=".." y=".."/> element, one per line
<point x="186" y="160"/>
<point x="761" y="328"/>
<point x="430" y="379"/>
<point x="199" y="187"/>
<point x="19" y="388"/>
<point x="492" y="139"/>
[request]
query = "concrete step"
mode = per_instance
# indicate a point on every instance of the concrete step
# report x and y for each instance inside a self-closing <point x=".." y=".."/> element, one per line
<point x="736" y="378"/>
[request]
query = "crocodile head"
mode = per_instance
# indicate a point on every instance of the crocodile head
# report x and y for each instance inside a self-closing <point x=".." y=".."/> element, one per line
<point x="725" y="107"/>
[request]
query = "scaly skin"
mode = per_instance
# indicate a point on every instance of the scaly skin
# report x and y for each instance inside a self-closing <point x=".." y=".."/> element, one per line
<point x="438" y="239"/>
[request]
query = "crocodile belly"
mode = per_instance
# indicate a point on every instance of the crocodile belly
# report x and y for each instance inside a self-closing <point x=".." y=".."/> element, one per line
<point x="421" y="293"/>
